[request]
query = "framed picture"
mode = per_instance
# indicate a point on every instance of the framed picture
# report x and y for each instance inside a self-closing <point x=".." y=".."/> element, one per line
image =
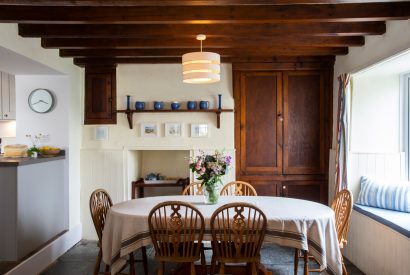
<point x="199" y="130"/>
<point x="149" y="129"/>
<point x="173" y="129"/>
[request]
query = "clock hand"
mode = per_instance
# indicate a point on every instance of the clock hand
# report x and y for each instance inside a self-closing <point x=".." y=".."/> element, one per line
<point x="43" y="101"/>
<point x="36" y="102"/>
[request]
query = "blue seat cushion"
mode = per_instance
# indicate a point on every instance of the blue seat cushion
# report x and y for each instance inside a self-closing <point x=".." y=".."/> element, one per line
<point x="398" y="221"/>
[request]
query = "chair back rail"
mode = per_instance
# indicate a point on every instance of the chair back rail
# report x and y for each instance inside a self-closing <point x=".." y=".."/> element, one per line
<point x="176" y="230"/>
<point x="238" y="230"/>
<point x="342" y="205"/>
<point x="193" y="189"/>
<point x="238" y="188"/>
<point x="100" y="202"/>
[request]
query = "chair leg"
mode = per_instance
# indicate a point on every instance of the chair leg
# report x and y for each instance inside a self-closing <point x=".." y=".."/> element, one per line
<point x="295" y="268"/>
<point x="144" y="259"/>
<point x="213" y="263"/>
<point x="344" y="270"/>
<point x="306" y="259"/>
<point x="132" y="265"/>
<point x="98" y="262"/>
<point x="161" y="268"/>
<point x="254" y="271"/>
<point x="221" y="269"/>
<point x="193" y="269"/>
<point x="203" y="263"/>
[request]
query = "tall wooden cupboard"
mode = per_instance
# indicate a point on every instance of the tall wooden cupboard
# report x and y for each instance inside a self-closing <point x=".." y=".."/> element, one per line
<point x="282" y="128"/>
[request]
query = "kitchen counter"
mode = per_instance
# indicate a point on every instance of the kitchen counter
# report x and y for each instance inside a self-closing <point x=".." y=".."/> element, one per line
<point x="7" y="161"/>
<point x="33" y="204"/>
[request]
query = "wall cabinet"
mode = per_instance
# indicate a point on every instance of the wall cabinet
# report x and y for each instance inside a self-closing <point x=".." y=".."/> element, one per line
<point x="282" y="131"/>
<point x="7" y="97"/>
<point x="100" y="95"/>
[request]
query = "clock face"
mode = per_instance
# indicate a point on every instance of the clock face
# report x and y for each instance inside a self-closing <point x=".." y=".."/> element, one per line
<point x="41" y="101"/>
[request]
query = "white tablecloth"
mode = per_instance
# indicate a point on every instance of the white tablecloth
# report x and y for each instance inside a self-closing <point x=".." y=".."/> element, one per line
<point x="295" y="223"/>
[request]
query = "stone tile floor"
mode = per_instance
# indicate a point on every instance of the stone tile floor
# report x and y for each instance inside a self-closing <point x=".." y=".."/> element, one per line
<point x="80" y="260"/>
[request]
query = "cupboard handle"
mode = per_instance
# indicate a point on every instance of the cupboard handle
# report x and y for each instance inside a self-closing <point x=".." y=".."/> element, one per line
<point x="280" y="117"/>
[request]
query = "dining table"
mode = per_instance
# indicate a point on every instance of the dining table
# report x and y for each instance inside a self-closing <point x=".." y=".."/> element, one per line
<point x="301" y="224"/>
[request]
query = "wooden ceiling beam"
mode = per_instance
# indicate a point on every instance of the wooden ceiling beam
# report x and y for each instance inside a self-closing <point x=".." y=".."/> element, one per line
<point x="98" y="3"/>
<point x="207" y="14"/>
<point x="183" y="30"/>
<point x="280" y="41"/>
<point x="238" y="52"/>
<point x="319" y="60"/>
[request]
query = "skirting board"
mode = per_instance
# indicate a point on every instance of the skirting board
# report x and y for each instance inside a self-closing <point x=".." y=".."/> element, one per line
<point x="46" y="256"/>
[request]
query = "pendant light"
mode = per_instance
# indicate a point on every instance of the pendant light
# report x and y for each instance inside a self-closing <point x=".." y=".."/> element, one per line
<point x="201" y="67"/>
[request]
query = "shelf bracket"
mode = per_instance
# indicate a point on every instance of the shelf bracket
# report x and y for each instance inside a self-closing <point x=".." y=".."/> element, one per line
<point x="129" y="117"/>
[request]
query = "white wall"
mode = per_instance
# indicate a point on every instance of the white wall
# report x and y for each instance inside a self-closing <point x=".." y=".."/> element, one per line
<point x="120" y="156"/>
<point x="377" y="48"/>
<point x="53" y="123"/>
<point x="163" y="82"/>
<point x="375" y="124"/>
<point x="69" y="112"/>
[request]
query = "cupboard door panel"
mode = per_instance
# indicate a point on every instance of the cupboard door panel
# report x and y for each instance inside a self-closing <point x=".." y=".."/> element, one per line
<point x="265" y="187"/>
<point x="100" y="96"/>
<point x="303" y="123"/>
<point x="306" y="190"/>
<point x="261" y="133"/>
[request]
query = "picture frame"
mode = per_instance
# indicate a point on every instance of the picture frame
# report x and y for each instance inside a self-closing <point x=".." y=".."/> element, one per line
<point x="199" y="130"/>
<point x="149" y="129"/>
<point x="173" y="129"/>
<point x="101" y="133"/>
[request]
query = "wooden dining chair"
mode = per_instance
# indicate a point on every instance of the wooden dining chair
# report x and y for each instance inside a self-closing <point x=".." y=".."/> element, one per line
<point x="238" y="188"/>
<point x="342" y="206"/>
<point x="193" y="189"/>
<point x="238" y="230"/>
<point x="100" y="202"/>
<point x="176" y="230"/>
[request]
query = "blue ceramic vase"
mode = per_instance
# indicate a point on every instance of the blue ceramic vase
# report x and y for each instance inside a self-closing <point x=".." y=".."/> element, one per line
<point x="191" y="105"/>
<point x="175" y="105"/>
<point x="158" y="105"/>
<point x="203" y="105"/>
<point x="139" y="105"/>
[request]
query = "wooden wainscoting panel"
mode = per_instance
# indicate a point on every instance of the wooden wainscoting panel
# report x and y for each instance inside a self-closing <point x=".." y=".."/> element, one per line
<point x="100" y="169"/>
<point x="381" y="166"/>
<point x="375" y="248"/>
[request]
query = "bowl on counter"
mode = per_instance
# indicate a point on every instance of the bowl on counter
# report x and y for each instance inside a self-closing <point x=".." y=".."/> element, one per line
<point x="47" y="151"/>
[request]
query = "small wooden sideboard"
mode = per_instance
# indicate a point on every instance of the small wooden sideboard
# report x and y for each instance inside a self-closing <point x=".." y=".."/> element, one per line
<point x="139" y="186"/>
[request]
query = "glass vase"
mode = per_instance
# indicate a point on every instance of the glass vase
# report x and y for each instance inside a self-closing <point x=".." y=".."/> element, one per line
<point x="211" y="194"/>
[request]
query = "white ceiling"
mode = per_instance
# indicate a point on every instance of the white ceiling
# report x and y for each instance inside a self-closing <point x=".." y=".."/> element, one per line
<point x="16" y="64"/>
<point x="397" y="64"/>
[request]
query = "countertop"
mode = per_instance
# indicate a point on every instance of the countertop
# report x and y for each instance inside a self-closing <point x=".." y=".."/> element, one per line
<point x="4" y="161"/>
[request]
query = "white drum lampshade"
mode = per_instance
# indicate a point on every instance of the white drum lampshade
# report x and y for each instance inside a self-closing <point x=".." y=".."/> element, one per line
<point x="201" y="67"/>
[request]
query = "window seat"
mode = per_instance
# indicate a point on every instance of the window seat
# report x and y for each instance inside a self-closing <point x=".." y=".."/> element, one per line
<point x="398" y="221"/>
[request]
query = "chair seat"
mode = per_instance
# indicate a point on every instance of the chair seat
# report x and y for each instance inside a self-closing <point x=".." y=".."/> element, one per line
<point x="235" y="256"/>
<point x="176" y="256"/>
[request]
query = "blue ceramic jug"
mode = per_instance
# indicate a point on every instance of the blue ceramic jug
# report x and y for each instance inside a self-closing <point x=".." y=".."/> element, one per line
<point x="175" y="105"/>
<point x="203" y="105"/>
<point x="158" y="105"/>
<point x="139" y="105"/>
<point x="191" y="105"/>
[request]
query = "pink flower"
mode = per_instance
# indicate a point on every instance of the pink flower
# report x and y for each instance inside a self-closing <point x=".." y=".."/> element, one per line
<point x="198" y="165"/>
<point x="202" y="171"/>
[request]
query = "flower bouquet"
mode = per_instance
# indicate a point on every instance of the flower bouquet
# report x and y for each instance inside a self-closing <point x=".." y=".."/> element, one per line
<point x="209" y="170"/>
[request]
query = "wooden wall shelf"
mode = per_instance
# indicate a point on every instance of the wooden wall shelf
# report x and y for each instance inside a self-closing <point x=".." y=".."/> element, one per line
<point x="218" y="112"/>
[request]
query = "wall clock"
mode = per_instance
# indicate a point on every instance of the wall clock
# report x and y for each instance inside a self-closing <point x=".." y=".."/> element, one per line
<point x="41" y="101"/>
